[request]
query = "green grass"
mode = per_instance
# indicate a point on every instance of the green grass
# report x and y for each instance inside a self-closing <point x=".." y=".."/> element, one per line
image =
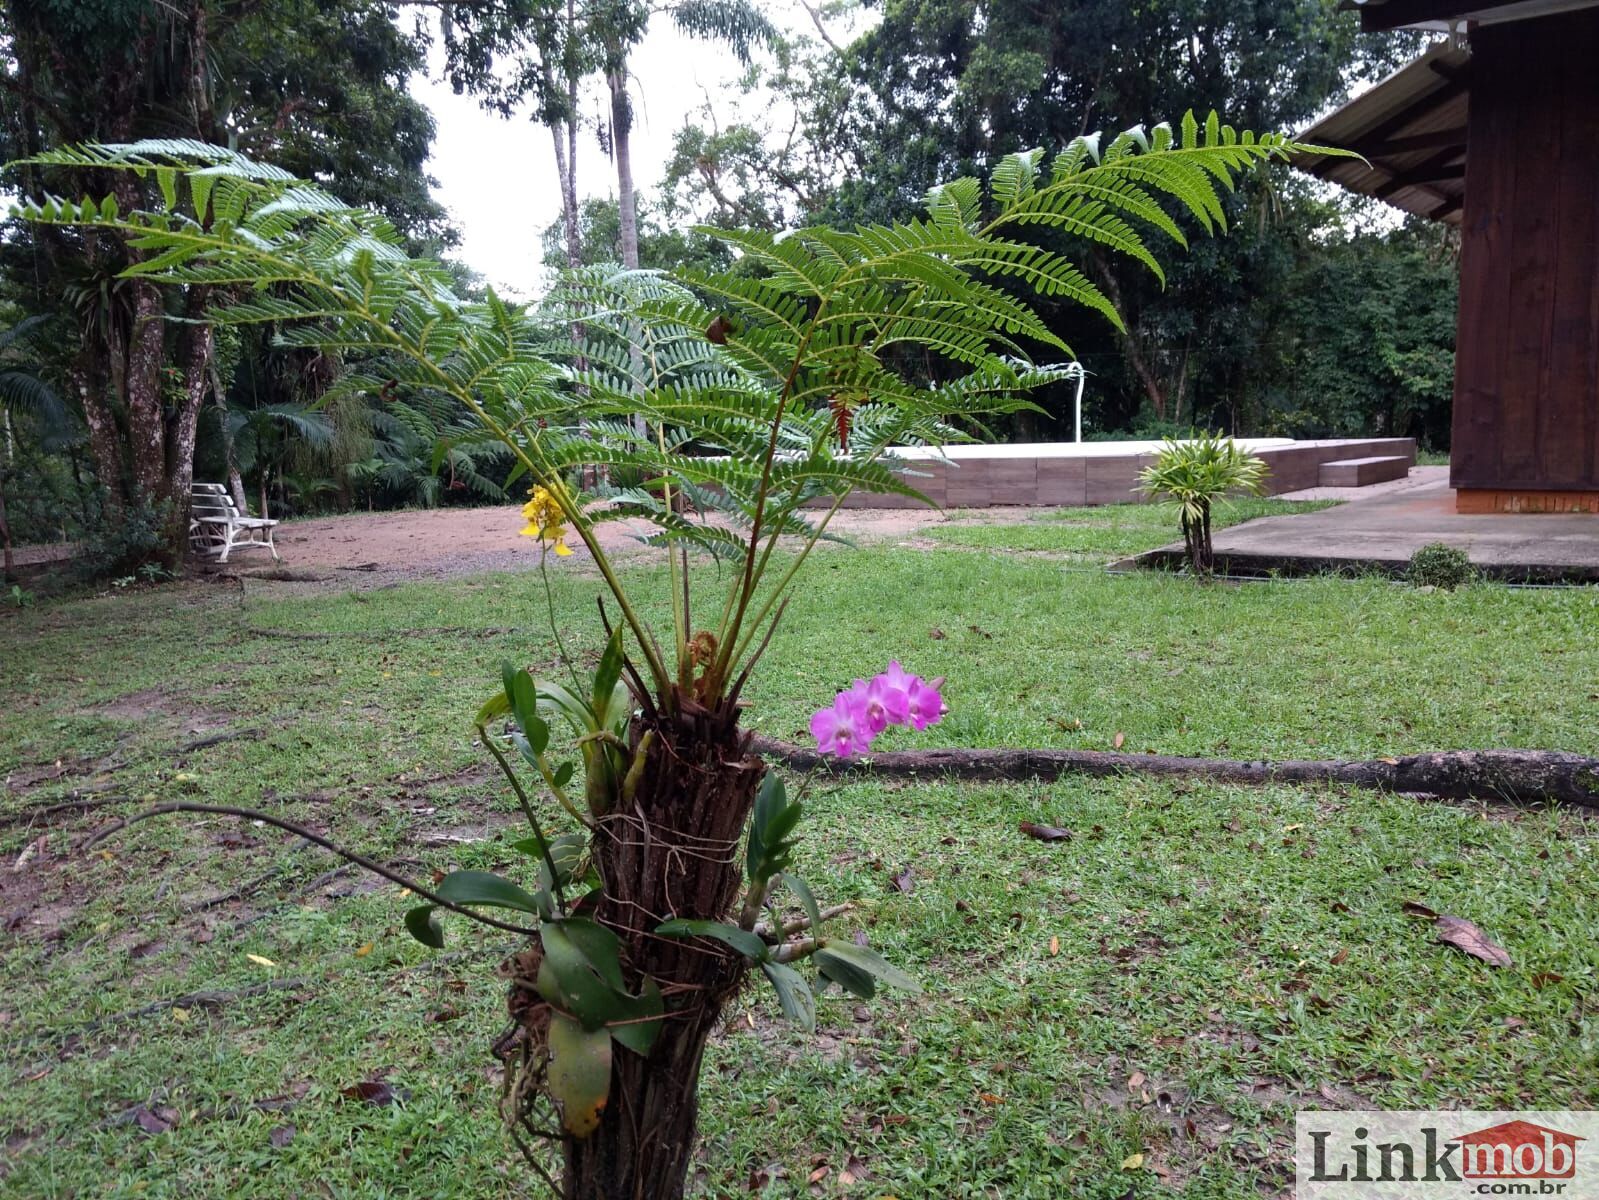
<point x="1100" y="535"/>
<point x="1244" y="951"/>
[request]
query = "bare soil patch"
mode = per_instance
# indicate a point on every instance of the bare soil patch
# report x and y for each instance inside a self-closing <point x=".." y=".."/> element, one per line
<point x="363" y="550"/>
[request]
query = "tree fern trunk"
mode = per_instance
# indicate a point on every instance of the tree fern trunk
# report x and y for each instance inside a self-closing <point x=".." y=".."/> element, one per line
<point x="676" y="851"/>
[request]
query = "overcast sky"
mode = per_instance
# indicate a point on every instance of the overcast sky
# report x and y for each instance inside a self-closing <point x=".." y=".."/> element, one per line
<point x="497" y="176"/>
<point x="483" y="161"/>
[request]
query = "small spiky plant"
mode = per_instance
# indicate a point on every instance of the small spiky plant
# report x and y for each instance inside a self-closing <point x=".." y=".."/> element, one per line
<point x="1196" y="474"/>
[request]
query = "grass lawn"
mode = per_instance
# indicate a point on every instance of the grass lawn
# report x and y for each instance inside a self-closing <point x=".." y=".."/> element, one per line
<point x="1092" y="536"/>
<point x="1171" y="983"/>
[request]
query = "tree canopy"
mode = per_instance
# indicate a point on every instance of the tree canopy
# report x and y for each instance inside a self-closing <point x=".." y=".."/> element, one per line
<point x="1312" y="319"/>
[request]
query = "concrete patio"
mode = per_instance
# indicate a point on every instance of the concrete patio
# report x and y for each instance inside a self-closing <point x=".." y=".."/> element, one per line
<point x="1381" y="532"/>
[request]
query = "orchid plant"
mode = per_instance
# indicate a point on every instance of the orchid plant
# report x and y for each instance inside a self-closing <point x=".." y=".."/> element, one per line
<point x="895" y="697"/>
<point x="737" y="412"/>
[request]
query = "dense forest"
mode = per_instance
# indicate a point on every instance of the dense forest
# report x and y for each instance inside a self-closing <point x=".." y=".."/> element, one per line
<point x="1319" y="315"/>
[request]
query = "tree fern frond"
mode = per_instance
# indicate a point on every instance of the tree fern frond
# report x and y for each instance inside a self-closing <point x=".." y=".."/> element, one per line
<point x="747" y="393"/>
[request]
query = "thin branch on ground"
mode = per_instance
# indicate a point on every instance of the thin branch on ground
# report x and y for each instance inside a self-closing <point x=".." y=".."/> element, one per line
<point x="202" y="999"/>
<point x="250" y="814"/>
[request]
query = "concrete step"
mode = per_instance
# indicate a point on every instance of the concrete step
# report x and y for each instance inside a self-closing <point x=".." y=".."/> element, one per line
<point x="1358" y="472"/>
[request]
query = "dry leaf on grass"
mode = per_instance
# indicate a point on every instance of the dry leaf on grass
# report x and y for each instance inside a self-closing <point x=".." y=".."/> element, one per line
<point x="1463" y="935"/>
<point x="157" y="1120"/>
<point x="376" y="1092"/>
<point x="1045" y="833"/>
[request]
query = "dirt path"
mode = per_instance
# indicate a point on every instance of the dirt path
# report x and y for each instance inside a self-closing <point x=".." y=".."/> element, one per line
<point x="447" y="542"/>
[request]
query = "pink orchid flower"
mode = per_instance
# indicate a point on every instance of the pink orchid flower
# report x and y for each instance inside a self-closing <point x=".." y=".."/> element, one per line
<point x="842" y="729"/>
<point x="892" y="690"/>
<point x="894" y="697"/>
<point x="882" y="704"/>
<point x="927" y="705"/>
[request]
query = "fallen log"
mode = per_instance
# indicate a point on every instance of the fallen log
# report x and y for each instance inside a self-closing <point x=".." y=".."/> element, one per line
<point x="1519" y="775"/>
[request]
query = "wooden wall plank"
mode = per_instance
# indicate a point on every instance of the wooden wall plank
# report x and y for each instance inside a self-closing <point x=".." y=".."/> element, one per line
<point x="1484" y="273"/>
<point x="1569" y="418"/>
<point x="1530" y="88"/>
<point x="1527" y="353"/>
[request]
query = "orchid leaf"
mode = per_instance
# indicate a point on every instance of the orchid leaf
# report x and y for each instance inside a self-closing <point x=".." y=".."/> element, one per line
<point x="794" y="994"/>
<point x="579" y="1073"/>
<point x="742" y="940"/>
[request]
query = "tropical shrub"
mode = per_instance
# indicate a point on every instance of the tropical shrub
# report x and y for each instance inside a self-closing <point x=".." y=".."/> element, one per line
<point x="120" y="550"/>
<point x="743" y="407"/>
<point x="1440" y="565"/>
<point x="1197" y="473"/>
<point x="25" y="400"/>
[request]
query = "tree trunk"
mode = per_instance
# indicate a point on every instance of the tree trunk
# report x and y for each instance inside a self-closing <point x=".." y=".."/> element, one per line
<point x="566" y="150"/>
<point x="626" y="205"/>
<point x="90" y="379"/>
<point x="1132" y="348"/>
<point x="230" y="454"/>
<point x="675" y="851"/>
<point x="566" y="173"/>
<point x="143" y="393"/>
<point x="1529" y="776"/>
<point x="1153" y="389"/>
<point x="9" y="568"/>
<point x="197" y="345"/>
<point x="622" y="148"/>
<point x="142" y="360"/>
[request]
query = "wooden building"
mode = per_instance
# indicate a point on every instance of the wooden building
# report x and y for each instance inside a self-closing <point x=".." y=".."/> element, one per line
<point x="1496" y="129"/>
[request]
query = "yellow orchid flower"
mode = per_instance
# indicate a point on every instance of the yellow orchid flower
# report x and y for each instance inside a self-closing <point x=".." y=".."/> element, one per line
<point x="545" y="520"/>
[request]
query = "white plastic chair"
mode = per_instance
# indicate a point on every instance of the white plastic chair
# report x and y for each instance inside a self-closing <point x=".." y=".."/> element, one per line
<point x="216" y="527"/>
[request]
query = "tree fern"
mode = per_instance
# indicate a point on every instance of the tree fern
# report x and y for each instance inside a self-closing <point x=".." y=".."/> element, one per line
<point x="742" y="406"/>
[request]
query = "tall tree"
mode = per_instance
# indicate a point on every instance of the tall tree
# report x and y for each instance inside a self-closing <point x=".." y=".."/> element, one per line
<point x="541" y="53"/>
<point x="618" y="26"/>
<point x="316" y="85"/>
<point x="536" y="54"/>
<point x="944" y="86"/>
<point x="938" y="86"/>
<point x="132" y="70"/>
